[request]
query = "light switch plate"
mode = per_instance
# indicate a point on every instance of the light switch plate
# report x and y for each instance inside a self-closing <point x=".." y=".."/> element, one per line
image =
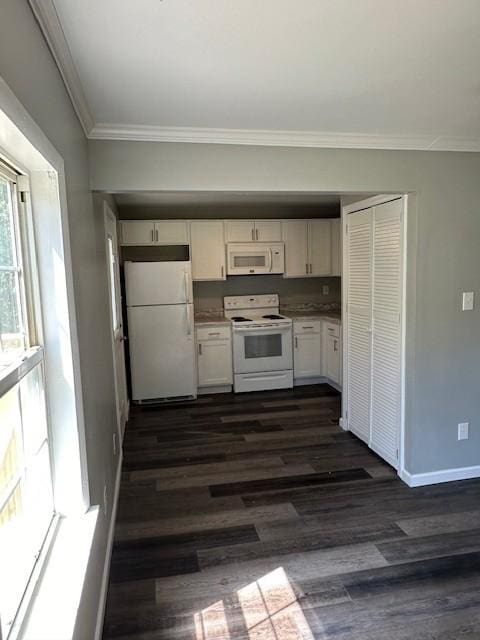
<point x="463" y="430"/>
<point x="467" y="301"/>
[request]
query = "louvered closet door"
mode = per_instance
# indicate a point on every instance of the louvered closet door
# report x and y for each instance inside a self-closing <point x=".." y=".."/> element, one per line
<point x="359" y="305"/>
<point x="386" y="325"/>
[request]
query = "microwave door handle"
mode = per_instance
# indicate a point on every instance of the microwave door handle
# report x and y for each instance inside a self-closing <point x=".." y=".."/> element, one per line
<point x="271" y="258"/>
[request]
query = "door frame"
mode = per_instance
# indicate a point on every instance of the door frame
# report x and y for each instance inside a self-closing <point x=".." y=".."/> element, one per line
<point x="121" y="413"/>
<point x="361" y="205"/>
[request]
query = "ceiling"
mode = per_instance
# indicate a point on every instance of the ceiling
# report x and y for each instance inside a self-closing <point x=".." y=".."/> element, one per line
<point x="336" y="73"/>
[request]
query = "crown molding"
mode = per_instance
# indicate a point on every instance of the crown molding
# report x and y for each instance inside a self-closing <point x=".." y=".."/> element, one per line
<point x="47" y="17"/>
<point x="283" y="138"/>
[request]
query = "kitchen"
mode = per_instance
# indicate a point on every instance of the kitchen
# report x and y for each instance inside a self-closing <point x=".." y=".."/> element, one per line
<point x="258" y="305"/>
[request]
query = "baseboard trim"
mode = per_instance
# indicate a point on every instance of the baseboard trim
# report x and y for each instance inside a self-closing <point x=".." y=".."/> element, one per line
<point x="224" y="388"/>
<point x="108" y="555"/>
<point x="437" y="477"/>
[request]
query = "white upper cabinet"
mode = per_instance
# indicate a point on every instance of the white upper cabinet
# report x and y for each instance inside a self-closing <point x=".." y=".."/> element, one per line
<point x="151" y="232"/>
<point x="268" y="231"/>
<point x="295" y="236"/>
<point x="240" y="230"/>
<point x="253" y="231"/>
<point x="307" y="248"/>
<point x="319" y="247"/>
<point x="208" y="250"/>
<point x="137" y="233"/>
<point x="171" y="232"/>
<point x="336" y="247"/>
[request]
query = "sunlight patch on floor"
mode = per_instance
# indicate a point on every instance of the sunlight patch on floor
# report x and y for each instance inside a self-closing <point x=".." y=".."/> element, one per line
<point x="270" y="610"/>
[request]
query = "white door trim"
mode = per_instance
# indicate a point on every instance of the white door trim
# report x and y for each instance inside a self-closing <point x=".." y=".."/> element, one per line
<point x="122" y="412"/>
<point x="346" y="210"/>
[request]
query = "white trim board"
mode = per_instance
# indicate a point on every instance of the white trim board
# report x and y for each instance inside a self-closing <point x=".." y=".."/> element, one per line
<point x="282" y="138"/>
<point x="108" y="554"/>
<point x="437" y="477"/>
<point x="47" y="17"/>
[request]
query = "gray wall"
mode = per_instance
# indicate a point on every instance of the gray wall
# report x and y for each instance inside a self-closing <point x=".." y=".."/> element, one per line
<point x="28" y="68"/>
<point x="443" y="355"/>
<point x="209" y="295"/>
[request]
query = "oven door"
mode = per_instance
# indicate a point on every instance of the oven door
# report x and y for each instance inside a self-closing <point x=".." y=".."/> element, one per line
<point x="260" y="348"/>
<point x="248" y="259"/>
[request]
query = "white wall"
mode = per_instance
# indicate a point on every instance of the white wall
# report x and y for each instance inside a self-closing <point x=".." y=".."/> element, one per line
<point x="443" y="355"/>
<point x="28" y="68"/>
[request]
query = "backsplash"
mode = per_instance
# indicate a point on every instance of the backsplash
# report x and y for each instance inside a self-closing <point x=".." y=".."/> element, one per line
<point x="293" y="292"/>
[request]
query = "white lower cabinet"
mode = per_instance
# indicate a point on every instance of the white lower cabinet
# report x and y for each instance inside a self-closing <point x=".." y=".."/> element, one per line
<point x="214" y="356"/>
<point x="332" y="348"/>
<point x="307" y="349"/>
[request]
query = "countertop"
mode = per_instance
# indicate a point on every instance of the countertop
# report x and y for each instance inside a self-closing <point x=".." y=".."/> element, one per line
<point x="212" y="318"/>
<point x="304" y="316"/>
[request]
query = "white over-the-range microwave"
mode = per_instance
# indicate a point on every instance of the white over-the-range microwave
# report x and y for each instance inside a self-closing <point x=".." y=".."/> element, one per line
<point x="251" y="258"/>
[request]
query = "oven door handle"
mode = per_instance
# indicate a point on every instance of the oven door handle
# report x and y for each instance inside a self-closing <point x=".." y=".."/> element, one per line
<point x="258" y="329"/>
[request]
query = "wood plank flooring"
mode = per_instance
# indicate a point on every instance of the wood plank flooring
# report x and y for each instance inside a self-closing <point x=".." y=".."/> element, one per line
<point x="255" y="517"/>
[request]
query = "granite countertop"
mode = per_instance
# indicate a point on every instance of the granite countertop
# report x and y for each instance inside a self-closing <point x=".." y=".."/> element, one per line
<point x="333" y="316"/>
<point x="211" y="317"/>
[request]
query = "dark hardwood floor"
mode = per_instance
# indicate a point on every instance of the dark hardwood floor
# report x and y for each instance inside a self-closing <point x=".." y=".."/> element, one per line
<point x="255" y="517"/>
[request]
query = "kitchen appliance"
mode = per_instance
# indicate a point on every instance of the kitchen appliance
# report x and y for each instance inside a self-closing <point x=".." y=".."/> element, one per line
<point x="160" y="330"/>
<point x="262" y="343"/>
<point x="251" y="258"/>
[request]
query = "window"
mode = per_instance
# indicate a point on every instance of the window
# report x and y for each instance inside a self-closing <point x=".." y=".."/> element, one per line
<point x="26" y="499"/>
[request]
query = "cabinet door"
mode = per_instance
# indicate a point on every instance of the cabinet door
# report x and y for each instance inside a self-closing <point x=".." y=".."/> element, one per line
<point x="332" y="357"/>
<point x="307" y="355"/>
<point x="320" y="247"/>
<point x="171" y="232"/>
<point x="240" y="230"/>
<point x="208" y="250"/>
<point x="295" y="236"/>
<point x="214" y="363"/>
<point x="268" y="231"/>
<point x="336" y="247"/>
<point x="137" y="233"/>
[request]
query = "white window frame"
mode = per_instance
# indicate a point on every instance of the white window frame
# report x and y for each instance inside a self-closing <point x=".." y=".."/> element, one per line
<point x="24" y="146"/>
<point x="31" y="326"/>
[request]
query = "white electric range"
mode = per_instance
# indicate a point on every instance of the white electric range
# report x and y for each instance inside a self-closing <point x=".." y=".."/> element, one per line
<point x="262" y="343"/>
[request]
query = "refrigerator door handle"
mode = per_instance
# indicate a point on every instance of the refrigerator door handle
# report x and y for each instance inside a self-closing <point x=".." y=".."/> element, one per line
<point x="189" y="320"/>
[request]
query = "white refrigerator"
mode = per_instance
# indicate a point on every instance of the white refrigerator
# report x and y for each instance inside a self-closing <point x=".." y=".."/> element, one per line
<point x="160" y="330"/>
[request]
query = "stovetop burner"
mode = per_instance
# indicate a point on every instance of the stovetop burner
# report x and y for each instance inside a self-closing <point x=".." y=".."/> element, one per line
<point x="241" y="319"/>
<point x="273" y="316"/>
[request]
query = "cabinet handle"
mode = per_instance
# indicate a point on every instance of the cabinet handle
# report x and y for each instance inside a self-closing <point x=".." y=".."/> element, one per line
<point x="306" y="267"/>
<point x="152" y="234"/>
<point x="216" y="333"/>
<point x="222" y="271"/>
<point x="156" y="235"/>
<point x="253" y="234"/>
<point x="335" y="346"/>
<point x="199" y="348"/>
<point x="296" y="342"/>
<point x="307" y="327"/>
<point x="311" y="270"/>
<point x="256" y="233"/>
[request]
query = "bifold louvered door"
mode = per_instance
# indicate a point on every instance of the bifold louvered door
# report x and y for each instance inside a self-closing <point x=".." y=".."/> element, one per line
<point x="359" y="309"/>
<point x="374" y="337"/>
<point x="386" y="329"/>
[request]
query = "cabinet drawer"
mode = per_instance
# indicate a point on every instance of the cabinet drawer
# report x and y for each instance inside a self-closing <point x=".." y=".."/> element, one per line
<point x="332" y="329"/>
<point x="213" y="333"/>
<point x="307" y="326"/>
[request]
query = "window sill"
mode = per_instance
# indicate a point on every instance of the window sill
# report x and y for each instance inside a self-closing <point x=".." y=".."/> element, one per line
<point x="52" y="610"/>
